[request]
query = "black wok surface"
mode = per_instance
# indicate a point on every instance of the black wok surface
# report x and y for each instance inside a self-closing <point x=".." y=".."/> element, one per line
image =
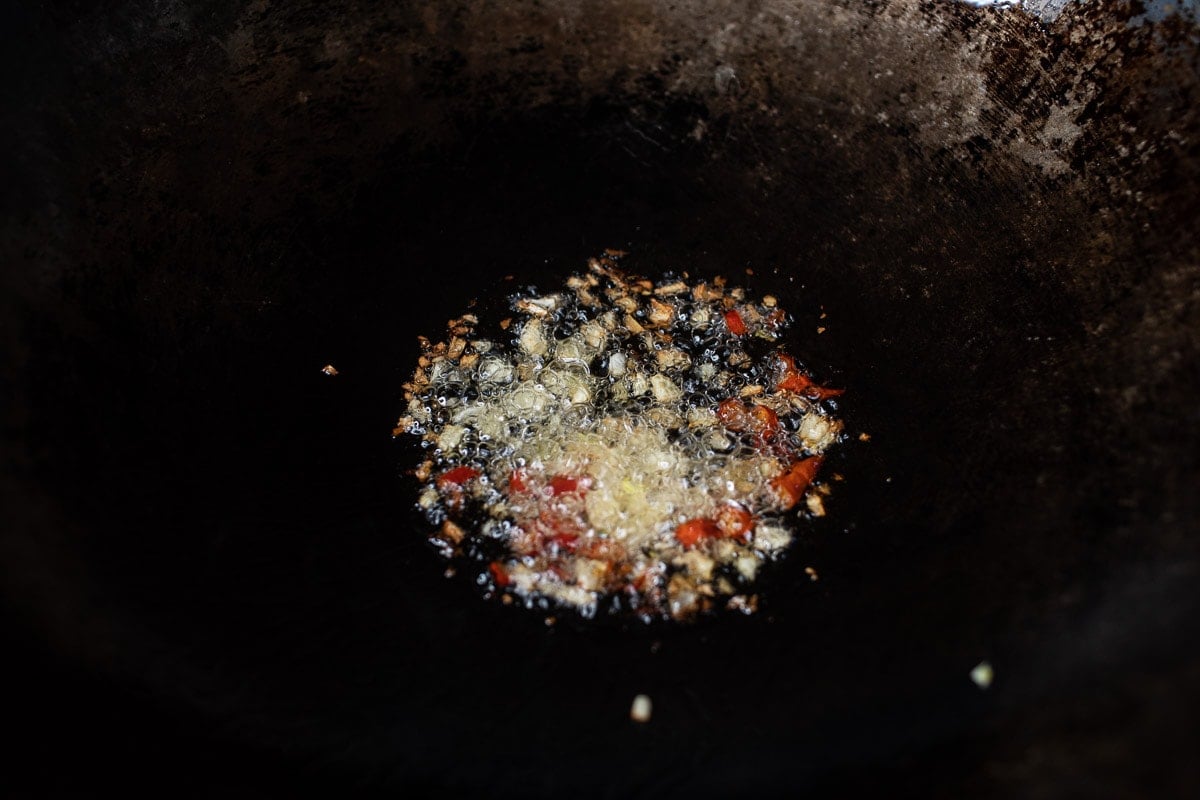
<point x="211" y="566"/>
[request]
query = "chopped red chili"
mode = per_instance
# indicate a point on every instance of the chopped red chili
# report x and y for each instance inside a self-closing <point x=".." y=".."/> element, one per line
<point x="601" y="549"/>
<point x="456" y="476"/>
<point x="739" y="417"/>
<point x="733" y="414"/>
<point x="789" y="488"/>
<point x="691" y="532"/>
<point x="793" y="380"/>
<point x="566" y="484"/>
<point x="499" y="574"/>
<point x="766" y="421"/>
<point x="734" y="521"/>
<point x="822" y="393"/>
<point x="733" y="320"/>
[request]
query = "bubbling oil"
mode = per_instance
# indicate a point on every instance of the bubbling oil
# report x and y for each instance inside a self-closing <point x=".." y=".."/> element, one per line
<point x="625" y="444"/>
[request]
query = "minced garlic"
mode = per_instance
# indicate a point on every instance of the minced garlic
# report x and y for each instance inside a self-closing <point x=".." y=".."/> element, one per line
<point x="621" y="445"/>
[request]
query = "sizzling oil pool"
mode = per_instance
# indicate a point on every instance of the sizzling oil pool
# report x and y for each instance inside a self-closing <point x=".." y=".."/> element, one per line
<point x="621" y="445"/>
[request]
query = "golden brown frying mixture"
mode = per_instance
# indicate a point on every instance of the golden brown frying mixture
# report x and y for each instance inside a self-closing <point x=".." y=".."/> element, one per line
<point x="620" y="445"/>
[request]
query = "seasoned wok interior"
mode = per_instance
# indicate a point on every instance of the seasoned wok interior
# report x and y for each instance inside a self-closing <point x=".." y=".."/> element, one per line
<point x="213" y="201"/>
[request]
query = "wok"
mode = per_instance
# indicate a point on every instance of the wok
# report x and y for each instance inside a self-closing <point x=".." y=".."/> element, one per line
<point x="213" y="579"/>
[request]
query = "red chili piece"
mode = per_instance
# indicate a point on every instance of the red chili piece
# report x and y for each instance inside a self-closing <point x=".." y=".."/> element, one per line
<point x="733" y="320"/>
<point x="766" y="421"/>
<point x="561" y="529"/>
<point x="734" y="521"/>
<point x="690" y="533"/>
<point x="733" y="414"/>
<point x="457" y="476"/>
<point x="499" y="574"/>
<point x="789" y="488"/>
<point x="737" y="416"/>
<point x="566" y="484"/>
<point x="793" y="380"/>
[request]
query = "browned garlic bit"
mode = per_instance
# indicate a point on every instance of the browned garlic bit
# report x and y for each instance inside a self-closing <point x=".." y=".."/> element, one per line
<point x="620" y="445"/>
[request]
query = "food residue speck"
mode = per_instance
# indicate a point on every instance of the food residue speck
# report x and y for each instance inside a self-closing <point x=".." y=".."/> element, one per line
<point x="641" y="709"/>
